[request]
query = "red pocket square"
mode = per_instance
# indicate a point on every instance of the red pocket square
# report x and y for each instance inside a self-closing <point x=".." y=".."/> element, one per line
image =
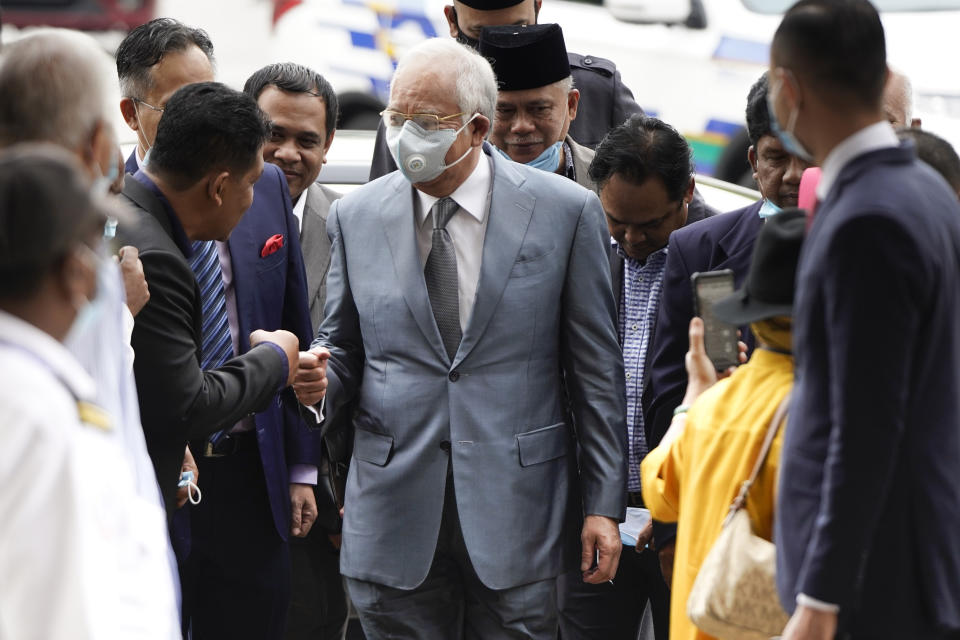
<point x="273" y="244"/>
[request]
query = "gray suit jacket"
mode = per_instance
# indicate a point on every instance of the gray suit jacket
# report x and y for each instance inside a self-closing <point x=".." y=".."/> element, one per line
<point x="316" y="248"/>
<point x="495" y="413"/>
<point x="582" y="157"/>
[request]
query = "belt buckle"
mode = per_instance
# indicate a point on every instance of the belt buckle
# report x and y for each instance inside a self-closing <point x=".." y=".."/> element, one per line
<point x="227" y="446"/>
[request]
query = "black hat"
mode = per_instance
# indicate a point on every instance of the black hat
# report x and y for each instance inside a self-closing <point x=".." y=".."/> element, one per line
<point x="525" y="57"/>
<point x="768" y="291"/>
<point x="490" y="5"/>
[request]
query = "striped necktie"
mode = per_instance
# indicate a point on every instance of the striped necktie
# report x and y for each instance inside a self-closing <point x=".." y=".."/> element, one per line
<point x="216" y="345"/>
<point x="440" y="274"/>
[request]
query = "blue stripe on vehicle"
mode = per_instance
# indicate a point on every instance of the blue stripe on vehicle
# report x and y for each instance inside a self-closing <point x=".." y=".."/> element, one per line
<point x="363" y="40"/>
<point x="740" y="50"/>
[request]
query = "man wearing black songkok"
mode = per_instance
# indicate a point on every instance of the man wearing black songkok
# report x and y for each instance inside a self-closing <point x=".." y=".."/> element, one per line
<point x="605" y="101"/>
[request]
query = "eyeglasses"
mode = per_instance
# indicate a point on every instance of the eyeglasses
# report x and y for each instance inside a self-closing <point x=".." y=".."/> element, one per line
<point x="426" y="121"/>
<point x="147" y="104"/>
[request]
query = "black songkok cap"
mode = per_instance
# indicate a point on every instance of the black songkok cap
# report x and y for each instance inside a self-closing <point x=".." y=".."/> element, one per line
<point x="490" y="5"/>
<point x="525" y="57"/>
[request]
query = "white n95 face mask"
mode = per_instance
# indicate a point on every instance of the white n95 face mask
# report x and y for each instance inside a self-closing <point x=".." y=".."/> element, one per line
<point x="420" y="153"/>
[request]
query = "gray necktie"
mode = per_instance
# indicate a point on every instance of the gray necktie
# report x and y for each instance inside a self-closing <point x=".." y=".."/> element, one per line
<point x="440" y="274"/>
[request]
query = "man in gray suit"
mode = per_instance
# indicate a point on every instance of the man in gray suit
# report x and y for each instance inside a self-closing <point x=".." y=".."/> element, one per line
<point x="302" y="107"/>
<point x="456" y="305"/>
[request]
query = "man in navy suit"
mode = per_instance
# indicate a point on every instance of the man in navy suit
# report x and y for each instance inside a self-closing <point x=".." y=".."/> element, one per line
<point x="869" y="499"/>
<point x="722" y="242"/>
<point x="257" y="475"/>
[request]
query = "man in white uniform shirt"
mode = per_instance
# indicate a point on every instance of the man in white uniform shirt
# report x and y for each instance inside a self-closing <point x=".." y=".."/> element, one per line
<point x="81" y="555"/>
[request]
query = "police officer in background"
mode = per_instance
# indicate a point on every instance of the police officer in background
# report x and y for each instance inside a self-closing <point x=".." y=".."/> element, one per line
<point x="605" y="101"/>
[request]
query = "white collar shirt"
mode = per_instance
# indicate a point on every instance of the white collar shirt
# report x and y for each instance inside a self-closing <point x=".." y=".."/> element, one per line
<point x="298" y="208"/>
<point x="467" y="228"/>
<point x="879" y="135"/>
<point x="81" y="555"/>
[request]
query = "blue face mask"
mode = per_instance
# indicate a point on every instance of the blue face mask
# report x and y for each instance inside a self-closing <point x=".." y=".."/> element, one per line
<point x="769" y="209"/>
<point x="547" y="161"/>
<point x="787" y="138"/>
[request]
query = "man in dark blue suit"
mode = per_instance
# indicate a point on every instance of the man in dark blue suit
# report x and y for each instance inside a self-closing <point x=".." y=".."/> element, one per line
<point x="257" y="475"/>
<point x="720" y="242"/>
<point x="868" y="508"/>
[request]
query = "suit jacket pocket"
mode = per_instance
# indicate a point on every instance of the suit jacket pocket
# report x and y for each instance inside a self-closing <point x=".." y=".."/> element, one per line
<point x="371" y="447"/>
<point x="272" y="261"/>
<point x="532" y="260"/>
<point x="545" y="443"/>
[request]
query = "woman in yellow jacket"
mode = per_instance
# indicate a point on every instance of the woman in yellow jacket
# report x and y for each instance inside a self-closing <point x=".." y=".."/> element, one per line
<point x="694" y="474"/>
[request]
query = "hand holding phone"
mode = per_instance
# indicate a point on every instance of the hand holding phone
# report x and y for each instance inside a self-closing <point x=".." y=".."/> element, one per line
<point x="720" y="338"/>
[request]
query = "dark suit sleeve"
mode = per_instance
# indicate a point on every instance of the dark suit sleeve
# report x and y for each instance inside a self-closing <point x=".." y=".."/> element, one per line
<point x="382" y="162"/>
<point x="169" y="379"/>
<point x="624" y="104"/>
<point x="593" y="366"/>
<point x="875" y="293"/>
<point x="667" y="380"/>
<point x="340" y="331"/>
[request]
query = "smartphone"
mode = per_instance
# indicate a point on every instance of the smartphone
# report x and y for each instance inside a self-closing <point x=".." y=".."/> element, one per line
<point x="720" y="338"/>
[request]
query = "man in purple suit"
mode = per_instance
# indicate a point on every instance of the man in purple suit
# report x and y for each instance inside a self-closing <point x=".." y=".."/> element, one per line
<point x="257" y="474"/>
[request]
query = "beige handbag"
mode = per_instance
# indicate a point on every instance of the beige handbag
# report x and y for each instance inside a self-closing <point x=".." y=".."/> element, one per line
<point x="734" y="596"/>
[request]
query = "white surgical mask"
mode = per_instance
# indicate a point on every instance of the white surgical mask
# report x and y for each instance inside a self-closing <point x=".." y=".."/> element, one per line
<point x="91" y="312"/>
<point x="420" y="153"/>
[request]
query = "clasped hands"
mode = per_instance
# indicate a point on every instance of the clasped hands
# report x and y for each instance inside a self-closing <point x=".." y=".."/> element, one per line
<point x="310" y="382"/>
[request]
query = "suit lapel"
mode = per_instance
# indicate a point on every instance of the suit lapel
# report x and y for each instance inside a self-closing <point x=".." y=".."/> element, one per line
<point x="313" y="240"/>
<point x="616" y="275"/>
<point x="509" y="216"/>
<point x="396" y="214"/>
<point x="748" y="224"/>
<point x="148" y="201"/>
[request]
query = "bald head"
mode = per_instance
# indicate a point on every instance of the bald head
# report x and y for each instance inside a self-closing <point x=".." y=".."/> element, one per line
<point x="898" y="100"/>
<point x="55" y="89"/>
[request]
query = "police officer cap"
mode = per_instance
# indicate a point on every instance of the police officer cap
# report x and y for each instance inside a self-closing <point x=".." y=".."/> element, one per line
<point x="525" y="57"/>
<point x="490" y="5"/>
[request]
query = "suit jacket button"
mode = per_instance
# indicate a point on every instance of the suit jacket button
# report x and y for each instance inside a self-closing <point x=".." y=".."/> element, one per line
<point x="445" y="446"/>
<point x="454" y="376"/>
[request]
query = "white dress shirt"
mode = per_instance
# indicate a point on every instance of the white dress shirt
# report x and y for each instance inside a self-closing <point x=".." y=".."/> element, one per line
<point x="467" y="228"/>
<point x="298" y="208"/>
<point x="879" y="135"/>
<point x="81" y="554"/>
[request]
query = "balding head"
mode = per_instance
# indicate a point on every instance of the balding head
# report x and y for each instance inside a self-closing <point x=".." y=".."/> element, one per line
<point x="55" y="88"/>
<point x="898" y="100"/>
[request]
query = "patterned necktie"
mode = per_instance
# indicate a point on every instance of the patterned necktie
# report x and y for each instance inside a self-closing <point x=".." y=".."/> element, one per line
<point x="440" y="274"/>
<point x="216" y="345"/>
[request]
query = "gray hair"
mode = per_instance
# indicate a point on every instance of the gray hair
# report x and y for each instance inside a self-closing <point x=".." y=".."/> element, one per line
<point x="476" y="86"/>
<point x="55" y="89"/>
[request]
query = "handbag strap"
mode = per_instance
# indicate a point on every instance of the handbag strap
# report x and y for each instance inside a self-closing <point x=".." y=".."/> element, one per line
<point x="779" y="417"/>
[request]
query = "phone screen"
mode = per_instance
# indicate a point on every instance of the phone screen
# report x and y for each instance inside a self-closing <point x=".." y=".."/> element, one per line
<point x="720" y="338"/>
